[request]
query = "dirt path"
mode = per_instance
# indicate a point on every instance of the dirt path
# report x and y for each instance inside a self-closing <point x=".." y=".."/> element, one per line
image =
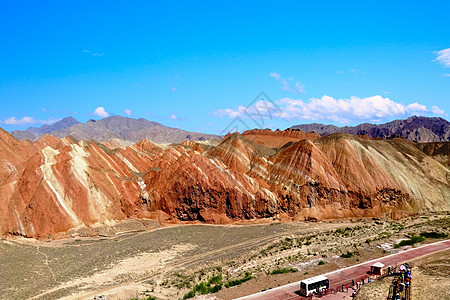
<point x="46" y="263"/>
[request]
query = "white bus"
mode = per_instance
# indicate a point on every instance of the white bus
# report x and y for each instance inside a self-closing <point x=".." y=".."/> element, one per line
<point x="314" y="285"/>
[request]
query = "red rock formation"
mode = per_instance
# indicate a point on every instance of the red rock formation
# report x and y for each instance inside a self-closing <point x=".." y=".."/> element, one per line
<point x="53" y="185"/>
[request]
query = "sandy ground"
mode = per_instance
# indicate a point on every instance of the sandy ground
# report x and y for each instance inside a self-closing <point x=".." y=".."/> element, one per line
<point x="167" y="262"/>
<point x="431" y="277"/>
<point x="376" y="290"/>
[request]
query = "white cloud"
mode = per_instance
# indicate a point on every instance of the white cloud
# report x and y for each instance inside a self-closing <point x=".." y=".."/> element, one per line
<point x="357" y="72"/>
<point x="28" y="120"/>
<point x="101" y="112"/>
<point x="436" y="110"/>
<point x="288" y="84"/>
<point x="416" y="107"/>
<point x="374" y="109"/>
<point x="23" y="121"/>
<point x="173" y="117"/>
<point x="443" y="57"/>
<point x="261" y="109"/>
<point x="127" y="111"/>
<point x="93" y="54"/>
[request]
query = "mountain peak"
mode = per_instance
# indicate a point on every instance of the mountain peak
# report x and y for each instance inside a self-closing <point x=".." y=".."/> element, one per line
<point x="118" y="127"/>
<point x="414" y="128"/>
<point x="47" y="128"/>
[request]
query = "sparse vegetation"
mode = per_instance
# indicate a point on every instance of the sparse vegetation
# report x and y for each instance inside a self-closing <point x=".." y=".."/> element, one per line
<point x="434" y="235"/>
<point x="321" y="262"/>
<point x="413" y="240"/>
<point x="248" y="276"/>
<point x="213" y="285"/>
<point x="283" y="271"/>
<point x="347" y="255"/>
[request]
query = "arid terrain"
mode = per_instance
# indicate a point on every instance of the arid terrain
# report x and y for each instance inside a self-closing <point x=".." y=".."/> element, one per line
<point x="167" y="263"/>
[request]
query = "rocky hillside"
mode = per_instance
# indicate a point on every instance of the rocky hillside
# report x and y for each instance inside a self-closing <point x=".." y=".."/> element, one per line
<point x="54" y="185"/>
<point x="33" y="133"/>
<point x="418" y="129"/>
<point x="278" y="138"/>
<point x="115" y="127"/>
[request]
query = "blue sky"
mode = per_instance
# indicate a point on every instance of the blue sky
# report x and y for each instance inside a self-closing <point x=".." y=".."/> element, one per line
<point x="197" y="65"/>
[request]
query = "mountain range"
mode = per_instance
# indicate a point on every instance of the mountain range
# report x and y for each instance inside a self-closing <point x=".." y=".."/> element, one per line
<point x="115" y="127"/>
<point x="418" y="129"/>
<point x="56" y="186"/>
<point x="126" y="131"/>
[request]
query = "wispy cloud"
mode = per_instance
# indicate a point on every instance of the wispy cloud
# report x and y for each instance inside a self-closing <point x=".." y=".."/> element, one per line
<point x="443" y="57"/>
<point x="128" y="112"/>
<point x="27" y="121"/>
<point x="357" y="72"/>
<point x="344" y="111"/>
<point x="437" y="111"/>
<point x="173" y="116"/>
<point x="93" y="54"/>
<point x="101" y="112"/>
<point x="288" y="84"/>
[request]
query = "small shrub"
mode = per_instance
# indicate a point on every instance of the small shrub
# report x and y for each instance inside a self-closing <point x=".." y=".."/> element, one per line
<point x="240" y="281"/>
<point x="213" y="285"/>
<point x="413" y="240"/>
<point x="434" y="235"/>
<point x="215" y="280"/>
<point x="283" y="271"/>
<point x="384" y="234"/>
<point x="321" y="263"/>
<point x="190" y="294"/>
<point x="347" y="255"/>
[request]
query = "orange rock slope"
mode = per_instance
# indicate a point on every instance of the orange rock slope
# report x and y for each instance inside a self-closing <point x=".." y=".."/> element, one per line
<point x="53" y="185"/>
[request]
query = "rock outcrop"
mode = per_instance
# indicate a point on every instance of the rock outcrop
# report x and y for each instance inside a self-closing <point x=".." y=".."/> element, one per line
<point x="54" y="185"/>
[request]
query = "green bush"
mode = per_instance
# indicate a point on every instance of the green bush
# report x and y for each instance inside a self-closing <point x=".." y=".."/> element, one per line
<point x="190" y="294"/>
<point x="413" y="240"/>
<point x="240" y="281"/>
<point x="215" y="280"/>
<point x="321" y="263"/>
<point x="347" y="255"/>
<point x="283" y="271"/>
<point x="434" y="235"/>
<point x="213" y="285"/>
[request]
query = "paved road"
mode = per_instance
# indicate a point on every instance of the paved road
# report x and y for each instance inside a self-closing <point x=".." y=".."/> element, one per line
<point x="345" y="276"/>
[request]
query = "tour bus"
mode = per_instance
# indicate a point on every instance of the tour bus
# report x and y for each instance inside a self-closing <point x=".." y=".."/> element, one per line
<point x="314" y="285"/>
